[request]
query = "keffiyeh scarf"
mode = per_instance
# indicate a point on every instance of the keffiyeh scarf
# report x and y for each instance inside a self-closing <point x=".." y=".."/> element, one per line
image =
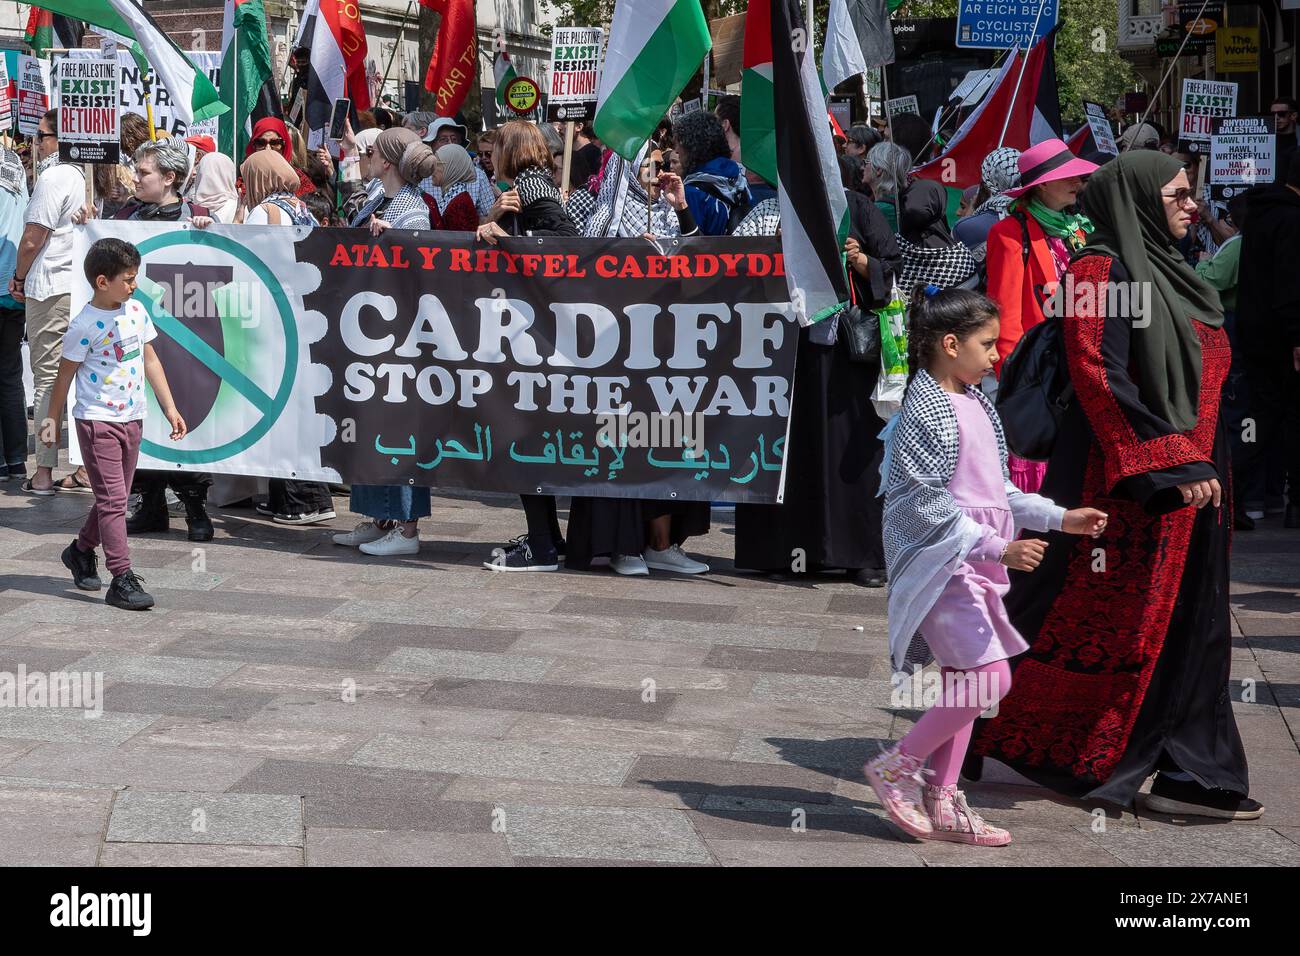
<point x="623" y="207"/>
<point x="999" y="172"/>
<point x="927" y="535"/>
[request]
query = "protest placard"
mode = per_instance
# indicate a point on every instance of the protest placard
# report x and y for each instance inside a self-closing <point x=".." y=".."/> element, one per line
<point x="903" y="104"/>
<point x="1243" y="153"/>
<point x="33" y="92"/>
<point x="88" y="114"/>
<point x="1102" y="134"/>
<point x="1203" y="100"/>
<point x="575" y="74"/>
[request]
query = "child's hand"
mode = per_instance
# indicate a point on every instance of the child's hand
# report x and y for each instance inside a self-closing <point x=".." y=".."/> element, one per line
<point x="1024" y="555"/>
<point x="1087" y="521"/>
<point x="178" y="425"/>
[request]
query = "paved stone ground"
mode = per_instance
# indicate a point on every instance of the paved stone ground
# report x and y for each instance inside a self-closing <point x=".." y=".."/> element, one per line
<point x="504" y="719"/>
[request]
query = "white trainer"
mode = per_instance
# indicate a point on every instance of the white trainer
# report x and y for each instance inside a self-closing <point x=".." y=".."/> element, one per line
<point x="628" y="564"/>
<point x="363" y="533"/>
<point x="306" y="517"/>
<point x="392" y="544"/>
<point x="673" y="559"/>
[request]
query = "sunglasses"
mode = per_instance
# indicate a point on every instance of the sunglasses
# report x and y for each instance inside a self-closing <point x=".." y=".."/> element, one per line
<point x="1180" y="197"/>
<point x="40" y="135"/>
<point x="1281" y="112"/>
<point x="277" y="143"/>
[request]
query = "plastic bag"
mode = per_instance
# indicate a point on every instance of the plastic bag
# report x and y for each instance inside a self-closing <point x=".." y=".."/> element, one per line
<point x="887" y="397"/>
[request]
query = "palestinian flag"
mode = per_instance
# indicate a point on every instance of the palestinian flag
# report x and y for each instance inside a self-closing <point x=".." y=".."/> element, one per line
<point x="798" y="153"/>
<point x="503" y="72"/>
<point x="1034" y="115"/>
<point x="248" y="84"/>
<point x="655" y="47"/>
<point x="194" y="97"/>
<point x="45" y="31"/>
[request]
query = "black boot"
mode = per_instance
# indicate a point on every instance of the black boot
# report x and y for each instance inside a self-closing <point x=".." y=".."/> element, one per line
<point x="152" y="513"/>
<point x="1242" y="521"/>
<point x="196" y="514"/>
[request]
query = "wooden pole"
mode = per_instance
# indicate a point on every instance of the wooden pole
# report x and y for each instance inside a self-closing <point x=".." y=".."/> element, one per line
<point x="568" y="157"/>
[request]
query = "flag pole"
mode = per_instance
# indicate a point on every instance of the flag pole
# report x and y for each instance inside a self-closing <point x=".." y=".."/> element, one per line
<point x="397" y="45"/>
<point x="884" y="92"/>
<point x="1023" y="63"/>
<point x="1160" y="88"/>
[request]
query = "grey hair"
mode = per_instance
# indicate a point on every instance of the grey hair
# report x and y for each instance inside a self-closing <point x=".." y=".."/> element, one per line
<point x="890" y="164"/>
<point x="554" y="141"/>
<point x="172" y="155"/>
<point x="421" y="119"/>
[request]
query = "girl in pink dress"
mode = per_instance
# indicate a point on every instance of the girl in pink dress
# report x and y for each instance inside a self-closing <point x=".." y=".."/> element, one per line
<point x="951" y="520"/>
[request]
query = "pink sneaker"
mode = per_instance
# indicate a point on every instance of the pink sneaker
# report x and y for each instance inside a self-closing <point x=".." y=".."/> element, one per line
<point x="896" y="778"/>
<point x="952" y="819"/>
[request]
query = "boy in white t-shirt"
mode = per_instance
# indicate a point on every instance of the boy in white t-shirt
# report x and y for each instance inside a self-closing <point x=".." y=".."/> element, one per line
<point x="106" y="349"/>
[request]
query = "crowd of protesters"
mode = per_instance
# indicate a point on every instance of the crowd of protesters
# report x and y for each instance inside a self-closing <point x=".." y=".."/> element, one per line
<point x="1012" y="236"/>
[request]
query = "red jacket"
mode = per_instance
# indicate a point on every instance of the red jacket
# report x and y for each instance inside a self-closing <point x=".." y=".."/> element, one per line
<point x="1018" y="291"/>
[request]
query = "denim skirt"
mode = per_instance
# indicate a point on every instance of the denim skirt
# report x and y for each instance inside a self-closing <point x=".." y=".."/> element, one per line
<point x="390" y="502"/>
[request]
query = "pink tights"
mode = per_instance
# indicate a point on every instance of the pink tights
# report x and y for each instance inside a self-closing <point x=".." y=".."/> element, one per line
<point x="943" y="732"/>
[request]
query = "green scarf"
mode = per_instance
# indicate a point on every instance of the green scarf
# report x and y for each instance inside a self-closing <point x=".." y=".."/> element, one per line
<point x="1063" y="225"/>
<point x="1124" y="199"/>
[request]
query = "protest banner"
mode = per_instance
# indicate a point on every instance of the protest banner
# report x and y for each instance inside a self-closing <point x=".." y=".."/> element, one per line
<point x="538" y="366"/>
<point x="1243" y="153"/>
<point x="999" y="25"/>
<point x="575" y="74"/>
<point x="33" y="92"/>
<point x="903" y="104"/>
<point x="1203" y="100"/>
<point x="88" y="115"/>
<point x="131" y="92"/>
<point x="1102" y="134"/>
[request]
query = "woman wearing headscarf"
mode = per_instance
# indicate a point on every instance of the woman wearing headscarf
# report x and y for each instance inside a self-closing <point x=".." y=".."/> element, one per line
<point x="916" y="209"/>
<point x="213" y="186"/>
<point x="452" y="207"/>
<point x="1028" y="251"/>
<point x="998" y="173"/>
<point x="834" y="450"/>
<point x="637" y="535"/>
<point x="269" y="184"/>
<point x="394" y="200"/>
<point x="365" y="144"/>
<point x="271" y="133"/>
<point x="1130" y="635"/>
<point x="399" y="162"/>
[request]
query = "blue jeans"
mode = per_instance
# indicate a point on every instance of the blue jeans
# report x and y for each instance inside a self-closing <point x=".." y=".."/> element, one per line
<point x="391" y="502"/>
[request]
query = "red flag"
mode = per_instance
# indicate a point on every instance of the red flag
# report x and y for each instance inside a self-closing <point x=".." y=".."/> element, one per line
<point x="959" y="165"/>
<point x="1080" y="141"/>
<point x="455" y="54"/>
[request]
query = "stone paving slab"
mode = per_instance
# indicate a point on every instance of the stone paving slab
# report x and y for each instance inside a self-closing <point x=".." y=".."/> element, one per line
<point x="144" y="768"/>
<point x="181" y="854"/>
<point x="52" y="826"/>
<point x="496" y="759"/>
<point x="344" y="847"/>
<point x="253" y="819"/>
<point x="603" y="833"/>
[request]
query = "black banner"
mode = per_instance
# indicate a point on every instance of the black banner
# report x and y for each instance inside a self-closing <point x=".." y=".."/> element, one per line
<point x="585" y="367"/>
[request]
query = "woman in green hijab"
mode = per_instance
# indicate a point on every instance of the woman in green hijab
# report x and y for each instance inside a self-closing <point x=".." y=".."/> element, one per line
<point x="1129" y="634"/>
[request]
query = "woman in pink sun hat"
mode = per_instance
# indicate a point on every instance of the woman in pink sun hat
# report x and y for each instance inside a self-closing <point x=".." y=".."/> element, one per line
<point x="1029" y="250"/>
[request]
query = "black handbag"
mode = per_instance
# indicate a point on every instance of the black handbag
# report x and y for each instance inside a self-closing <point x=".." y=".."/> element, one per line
<point x="861" y="330"/>
<point x="1034" y="392"/>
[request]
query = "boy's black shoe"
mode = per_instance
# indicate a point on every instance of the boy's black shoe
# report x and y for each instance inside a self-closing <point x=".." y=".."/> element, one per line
<point x="84" y="567"/>
<point x="1189" y="798"/>
<point x="127" y="592"/>
<point x="151" y="516"/>
<point x="196" y="515"/>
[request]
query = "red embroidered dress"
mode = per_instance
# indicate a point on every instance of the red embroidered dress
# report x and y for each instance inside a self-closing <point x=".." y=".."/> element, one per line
<point x="1130" y="638"/>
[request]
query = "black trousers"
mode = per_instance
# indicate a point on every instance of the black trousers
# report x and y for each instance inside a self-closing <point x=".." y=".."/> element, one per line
<point x="1275" y="405"/>
<point x="186" y="484"/>
<point x="543" y="521"/>
<point x="13" y="410"/>
<point x="298" y="497"/>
